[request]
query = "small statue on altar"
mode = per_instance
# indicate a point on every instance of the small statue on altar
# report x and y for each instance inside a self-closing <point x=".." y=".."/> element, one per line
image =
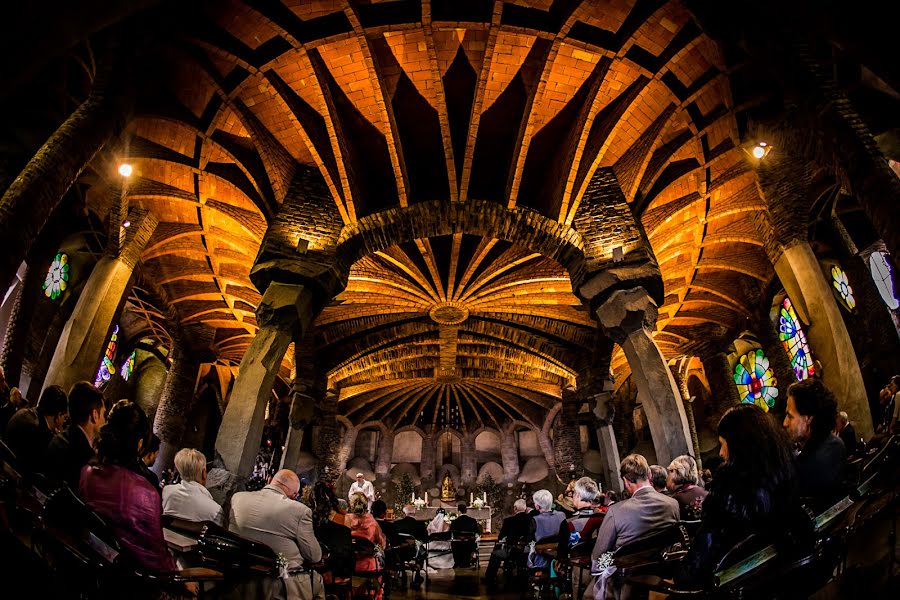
<point x="448" y="490"/>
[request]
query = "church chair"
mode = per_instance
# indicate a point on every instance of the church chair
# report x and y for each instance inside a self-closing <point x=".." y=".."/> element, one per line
<point x="543" y="581"/>
<point x="373" y="580"/>
<point x="432" y="553"/>
<point x="402" y="557"/>
<point x="464" y="546"/>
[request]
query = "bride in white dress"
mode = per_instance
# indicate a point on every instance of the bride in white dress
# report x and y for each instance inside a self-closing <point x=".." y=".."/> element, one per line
<point x="440" y="555"/>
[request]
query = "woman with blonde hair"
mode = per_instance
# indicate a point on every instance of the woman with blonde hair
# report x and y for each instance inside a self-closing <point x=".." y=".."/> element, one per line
<point x="363" y="525"/>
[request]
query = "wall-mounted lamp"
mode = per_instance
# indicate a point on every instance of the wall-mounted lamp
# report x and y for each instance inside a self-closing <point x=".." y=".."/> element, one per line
<point x="125" y="170"/>
<point x="126" y="224"/>
<point x="759" y="150"/>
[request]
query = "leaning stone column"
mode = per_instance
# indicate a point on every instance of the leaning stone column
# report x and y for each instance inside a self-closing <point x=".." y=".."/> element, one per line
<point x="84" y="338"/>
<point x="328" y="448"/>
<point x="628" y="317"/>
<point x="31" y="198"/>
<point x="604" y="410"/>
<point x="720" y="377"/>
<point x="567" y="439"/>
<point x="385" y="452"/>
<point x="509" y="453"/>
<point x="284" y="312"/>
<point x="20" y="322"/>
<point x="175" y="404"/>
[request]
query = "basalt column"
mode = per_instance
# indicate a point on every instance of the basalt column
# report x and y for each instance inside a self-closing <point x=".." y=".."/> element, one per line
<point x="284" y="312"/>
<point x="469" y="471"/>
<point x="307" y="391"/>
<point x="427" y="465"/>
<point x="87" y="331"/>
<point x="175" y="404"/>
<point x="604" y="409"/>
<point x="328" y="445"/>
<point x="509" y="453"/>
<point x="567" y="441"/>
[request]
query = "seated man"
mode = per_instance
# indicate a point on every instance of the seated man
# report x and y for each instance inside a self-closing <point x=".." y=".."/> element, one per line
<point x="30" y="430"/>
<point x="410" y="525"/>
<point x="546" y="524"/>
<point x="847" y="433"/>
<point x="388" y="528"/>
<point x="70" y="450"/>
<point x="272" y="516"/>
<point x="658" y="476"/>
<point x="464" y="524"/>
<point x="515" y="529"/>
<point x="809" y="419"/>
<point x="190" y="500"/>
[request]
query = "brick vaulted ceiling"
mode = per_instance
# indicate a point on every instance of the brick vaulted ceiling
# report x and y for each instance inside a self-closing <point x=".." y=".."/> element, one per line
<point x="400" y="102"/>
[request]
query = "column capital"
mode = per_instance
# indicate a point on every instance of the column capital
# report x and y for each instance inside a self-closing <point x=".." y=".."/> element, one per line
<point x="625" y="312"/>
<point x="286" y="307"/>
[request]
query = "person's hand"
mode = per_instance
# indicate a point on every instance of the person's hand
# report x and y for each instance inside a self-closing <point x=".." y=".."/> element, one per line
<point x="192" y="587"/>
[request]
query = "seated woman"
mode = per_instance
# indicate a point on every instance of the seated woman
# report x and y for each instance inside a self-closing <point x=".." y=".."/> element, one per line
<point x="753" y="492"/>
<point x="336" y="537"/>
<point x="363" y="525"/>
<point x="115" y="488"/>
<point x="190" y="500"/>
<point x="440" y="555"/>
<point x="682" y="483"/>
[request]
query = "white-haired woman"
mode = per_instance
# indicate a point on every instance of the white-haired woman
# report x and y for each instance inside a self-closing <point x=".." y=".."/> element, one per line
<point x="190" y="500"/>
<point x="546" y="524"/>
<point x="682" y="481"/>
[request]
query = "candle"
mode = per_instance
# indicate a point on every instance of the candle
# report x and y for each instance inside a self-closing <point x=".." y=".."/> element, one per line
<point x="413" y="498"/>
<point x="485" y="498"/>
<point x="426" y="496"/>
<point x="471" y="497"/>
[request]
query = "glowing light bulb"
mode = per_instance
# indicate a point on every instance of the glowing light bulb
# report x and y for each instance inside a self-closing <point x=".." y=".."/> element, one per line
<point x="759" y="151"/>
<point x="125" y="170"/>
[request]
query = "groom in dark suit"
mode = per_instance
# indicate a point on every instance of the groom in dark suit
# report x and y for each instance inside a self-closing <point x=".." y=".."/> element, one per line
<point x="70" y="450"/>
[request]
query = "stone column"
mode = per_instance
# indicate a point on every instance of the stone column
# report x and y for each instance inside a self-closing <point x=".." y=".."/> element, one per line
<point x="175" y="404"/>
<point x="800" y="273"/>
<point x="328" y="449"/>
<point x="567" y="438"/>
<point x="604" y="410"/>
<point x="26" y="298"/>
<point x="31" y="198"/>
<point x="720" y="376"/>
<point x="385" y="452"/>
<point x="509" y="453"/>
<point x="302" y="403"/>
<point x="469" y="471"/>
<point x="628" y="317"/>
<point x="427" y="465"/>
<point x="284" y="312"/>
<point x="84" y="338"/>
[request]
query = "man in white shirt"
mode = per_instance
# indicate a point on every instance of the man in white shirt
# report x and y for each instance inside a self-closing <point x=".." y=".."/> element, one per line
<point x="190" y="500"/>
<point x="361" y="486"/>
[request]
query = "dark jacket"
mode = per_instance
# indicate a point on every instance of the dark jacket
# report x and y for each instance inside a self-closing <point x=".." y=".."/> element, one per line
<point x="851" y="441"/>
<point x="517" y="528"/>
<point x="28" y="436"/>
<point x="690" y="500"/>
<point x="465" y="524"/>
<point x="132" y="508"/>
<point x="821" y="470"/>
<point x="411" y="526"/>
<point x="340" y="548"/>
<point x="389" y="529"/>
<point x="67" y="453"/>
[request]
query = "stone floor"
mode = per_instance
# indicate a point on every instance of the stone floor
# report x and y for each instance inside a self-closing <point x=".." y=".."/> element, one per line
<point x="456" y="584"/>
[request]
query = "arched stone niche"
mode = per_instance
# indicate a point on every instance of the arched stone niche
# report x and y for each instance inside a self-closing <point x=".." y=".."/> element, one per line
<point x="487" y="447"/>
<point x="529" y="444"/>
<point x="407" y="447"/>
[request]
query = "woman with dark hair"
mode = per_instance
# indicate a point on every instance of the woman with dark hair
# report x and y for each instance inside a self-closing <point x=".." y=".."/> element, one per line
<point x="336" y="537"/>
<point x="116" y="489"/>
<point x="753" y="491"/>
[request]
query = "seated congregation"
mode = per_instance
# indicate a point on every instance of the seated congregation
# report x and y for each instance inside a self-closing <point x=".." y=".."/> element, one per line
<point x="779" y="505"/>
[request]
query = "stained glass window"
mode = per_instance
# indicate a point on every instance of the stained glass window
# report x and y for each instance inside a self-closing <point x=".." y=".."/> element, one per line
<point x="57" y="277"/>
<point x="791" y="335"/>
<point x="127" y="367"/>
<point x="842" y="285"/>
<point x="881" y="273"/>
<point x="107" y="367"/>
<point x="755" y="380"/>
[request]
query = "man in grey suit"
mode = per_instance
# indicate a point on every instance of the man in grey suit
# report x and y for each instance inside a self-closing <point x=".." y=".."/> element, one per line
<point x="644" y="512"/>
<point x="273" y="517"/>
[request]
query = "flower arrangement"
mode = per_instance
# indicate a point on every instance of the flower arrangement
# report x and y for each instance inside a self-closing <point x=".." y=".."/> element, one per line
<point x="281" y="563"/>
<point x="478" y="503"/>
<point x="419" y="503"/>
<point x="450" y="517"/>
<point x="604" y="561"/>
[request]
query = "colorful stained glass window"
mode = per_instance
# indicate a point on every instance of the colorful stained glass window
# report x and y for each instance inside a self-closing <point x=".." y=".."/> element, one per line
<point x="107" y="367"/>
<point x="881" y="273"/>
<point x="127" y="367"/>
<point x="791" y="335"/>
<point x="842" y="285"/>
<point x="57" y="277"/>
<point x="755" y="381"/>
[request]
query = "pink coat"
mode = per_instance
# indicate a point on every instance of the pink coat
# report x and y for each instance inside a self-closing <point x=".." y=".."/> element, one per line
<point x="132" y="508"/>
<point x="367" y="527"/>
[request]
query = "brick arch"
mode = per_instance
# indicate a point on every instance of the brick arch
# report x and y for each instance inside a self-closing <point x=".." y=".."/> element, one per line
<point x="523" y="227"/>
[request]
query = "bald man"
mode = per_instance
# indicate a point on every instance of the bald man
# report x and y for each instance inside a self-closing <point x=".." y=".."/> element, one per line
<point x="273" y="516"/>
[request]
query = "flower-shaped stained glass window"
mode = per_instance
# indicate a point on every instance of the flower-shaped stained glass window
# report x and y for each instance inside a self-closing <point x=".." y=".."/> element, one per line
<point x="791" y="335"/>
<point x="127" y="367"/>
<point x="842" y="285"/>
<point x="881" y="273"/>
<point x="107" y="367"/>
<point x="755" y="381"/>
<point x="57" y="277"/>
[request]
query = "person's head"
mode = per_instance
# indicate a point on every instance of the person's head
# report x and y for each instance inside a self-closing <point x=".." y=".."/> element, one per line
<point x="151" y="450"/>
<point x="360" y="478"/>
<point x="379" y="509"/>
<point x="286" y="481"/>
<point x="611" y="497"/>
<point x="543" y="500"/>
<point x="323" y="503"/>
<point x="682" y="471"/>
<point x="53" y="407"/>
<point x="520" y="505"/>
<point x="15" y="397"/>
<point x="597" y="502"/>
<point x="122" y="436"/>
<point x="635" y="472"/>
<point x="843" y="419"/>
<point x="755" y="448"/>
<point x="359" y="504"/>
<point x="86" y="405"/>
<point x="894" y="384"/>
<point x="409" y="510"/>
<point x="658" y="478"/>
<point x="461" y="508"/>
<point x="191" y="465"/>
<point x="584" y="492"/>
<point x="811" y="412"/>
<point x="343" y="506"/>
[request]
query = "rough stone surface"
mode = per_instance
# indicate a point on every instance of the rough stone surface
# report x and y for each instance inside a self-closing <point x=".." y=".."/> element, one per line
<point x="175" y="404"/>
